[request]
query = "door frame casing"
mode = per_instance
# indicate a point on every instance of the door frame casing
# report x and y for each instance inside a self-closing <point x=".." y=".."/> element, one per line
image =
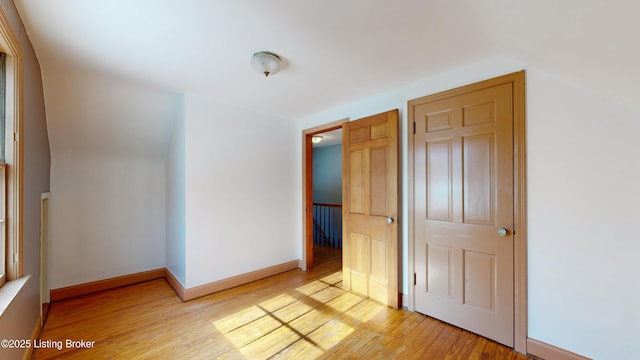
<point x="517" y="80"/>
<point x="307" y="188"/>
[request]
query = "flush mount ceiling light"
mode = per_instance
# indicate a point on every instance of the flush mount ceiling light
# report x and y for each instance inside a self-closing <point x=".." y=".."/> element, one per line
<point x="316" y="139"/>
<point x="266" y="62"/>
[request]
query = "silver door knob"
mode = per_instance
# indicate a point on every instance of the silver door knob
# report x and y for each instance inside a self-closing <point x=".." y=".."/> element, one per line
<point x="389" y="220"/>
<point x="502" y="232"/>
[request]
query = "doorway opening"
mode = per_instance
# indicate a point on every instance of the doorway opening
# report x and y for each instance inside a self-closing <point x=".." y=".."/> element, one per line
<point x="322" y="194"/>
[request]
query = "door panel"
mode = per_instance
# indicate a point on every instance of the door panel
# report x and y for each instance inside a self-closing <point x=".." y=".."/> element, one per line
<point x="478" y="182"/>
<point x="379" y="181"/>
<point x="480" y="271"/>
<point x="440" y="270"/>
<point x="439" y="187"/>
<point x="356" y="185"/>
<point x="463" y="194"/>
<point x="370" y="197"/>
<point x="358" y="262"/>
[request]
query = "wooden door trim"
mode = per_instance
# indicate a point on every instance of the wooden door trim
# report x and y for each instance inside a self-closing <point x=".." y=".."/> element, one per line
<point x="520" y="216"/>
<point x="307" y="188"/>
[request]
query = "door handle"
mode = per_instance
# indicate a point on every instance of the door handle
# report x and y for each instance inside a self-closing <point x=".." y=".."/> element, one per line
<point x="503" y="232"/>
<point x="390" y="220"/>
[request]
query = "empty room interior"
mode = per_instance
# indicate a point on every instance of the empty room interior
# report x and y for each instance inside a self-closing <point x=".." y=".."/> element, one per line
<point x="330" y="179"/>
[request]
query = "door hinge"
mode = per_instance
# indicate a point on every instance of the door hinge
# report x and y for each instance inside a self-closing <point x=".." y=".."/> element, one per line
<point x="415" y="279"/>
<point x="414" y="128"/>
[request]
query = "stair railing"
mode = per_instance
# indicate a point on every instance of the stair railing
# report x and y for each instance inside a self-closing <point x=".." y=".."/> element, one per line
<point x="327" y="225"/>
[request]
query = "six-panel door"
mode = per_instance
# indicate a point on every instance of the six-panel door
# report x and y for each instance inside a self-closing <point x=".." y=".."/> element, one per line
<point x="370" y="206"/>
<point x="463" y="164"/>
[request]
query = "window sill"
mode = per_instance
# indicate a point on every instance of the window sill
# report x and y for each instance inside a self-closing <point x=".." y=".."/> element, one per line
<point x="9" y="291"/>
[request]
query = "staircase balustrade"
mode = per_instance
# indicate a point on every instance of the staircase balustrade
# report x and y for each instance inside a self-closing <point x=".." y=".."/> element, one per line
<point x="327" y="225"/>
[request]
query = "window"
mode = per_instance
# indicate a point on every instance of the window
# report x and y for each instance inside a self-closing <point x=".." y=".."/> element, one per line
<point x="10" y="153"/>
<point x="3" y="174"/>
<point x="3" y="222"/>
<point x="3" y="56"/>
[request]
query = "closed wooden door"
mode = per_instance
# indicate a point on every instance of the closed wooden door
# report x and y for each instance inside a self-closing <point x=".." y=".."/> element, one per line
<point x="463" y="191"/>
<point x="370" y="206"/>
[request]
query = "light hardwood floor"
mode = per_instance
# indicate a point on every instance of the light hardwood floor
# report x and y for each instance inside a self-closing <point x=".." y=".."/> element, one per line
<point x="295" y="315"/>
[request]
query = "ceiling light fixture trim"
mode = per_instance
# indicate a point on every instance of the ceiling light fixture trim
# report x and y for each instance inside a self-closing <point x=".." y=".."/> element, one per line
<point x="266" y="62"/>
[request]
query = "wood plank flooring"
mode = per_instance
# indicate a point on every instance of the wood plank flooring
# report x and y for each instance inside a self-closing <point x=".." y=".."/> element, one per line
<point x="295" y="315"/>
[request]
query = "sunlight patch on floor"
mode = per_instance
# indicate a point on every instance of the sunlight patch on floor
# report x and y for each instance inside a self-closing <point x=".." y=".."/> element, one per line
<point x="312" y="287"/>
<point x="277" y="302"/>
<point x="310" y="321"/>
<point x="253" y="331"/>
<point x="270" y="344"/>
<point x="301" y="349"/>
<point x="292" y="312"/>
<point x="345" y="302"/>
<point x="330" y="334"/>
<point x="238" y="319"/>
<point x="327" y="294"/>
<point x="333" y="279"/>
<point x="365" y="310"/>
<point x="288" y="327"/>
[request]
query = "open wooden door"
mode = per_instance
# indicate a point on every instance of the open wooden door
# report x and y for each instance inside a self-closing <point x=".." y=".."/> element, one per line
<point x="370" y="207"/>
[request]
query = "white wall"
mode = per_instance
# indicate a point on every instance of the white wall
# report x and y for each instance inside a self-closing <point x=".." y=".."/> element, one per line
<point x="109" y="140"/>
<point x="175" y="208"/>
<point x="583" y="197"/>
<point x="21" y="315"/>
<point x="107" y="217"/>
<point x="241" y="193"/>
<point x="583" y="172"/>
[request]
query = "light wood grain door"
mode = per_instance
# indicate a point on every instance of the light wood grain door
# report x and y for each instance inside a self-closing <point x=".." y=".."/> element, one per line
<point x="463" y="190"/>
<point x="370" y="206"/>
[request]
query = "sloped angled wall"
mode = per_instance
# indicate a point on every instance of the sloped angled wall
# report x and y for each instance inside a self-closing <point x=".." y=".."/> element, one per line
<point x="109" y="139"/>
<point x="20" y="319"/>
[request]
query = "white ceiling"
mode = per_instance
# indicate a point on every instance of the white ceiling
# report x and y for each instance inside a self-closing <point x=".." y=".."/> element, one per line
<point x="329" y="138"/>
<point x="105" y="63"/>
<point x="337" y="50"/>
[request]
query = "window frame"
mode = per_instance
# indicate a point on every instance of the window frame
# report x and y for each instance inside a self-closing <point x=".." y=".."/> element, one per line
<point x="12" y="247"/>
<point x="3" y="221"/>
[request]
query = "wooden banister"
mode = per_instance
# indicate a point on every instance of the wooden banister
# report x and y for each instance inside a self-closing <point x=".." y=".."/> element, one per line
<point x="327" y="224"/>
<point x="328" y="205"/>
